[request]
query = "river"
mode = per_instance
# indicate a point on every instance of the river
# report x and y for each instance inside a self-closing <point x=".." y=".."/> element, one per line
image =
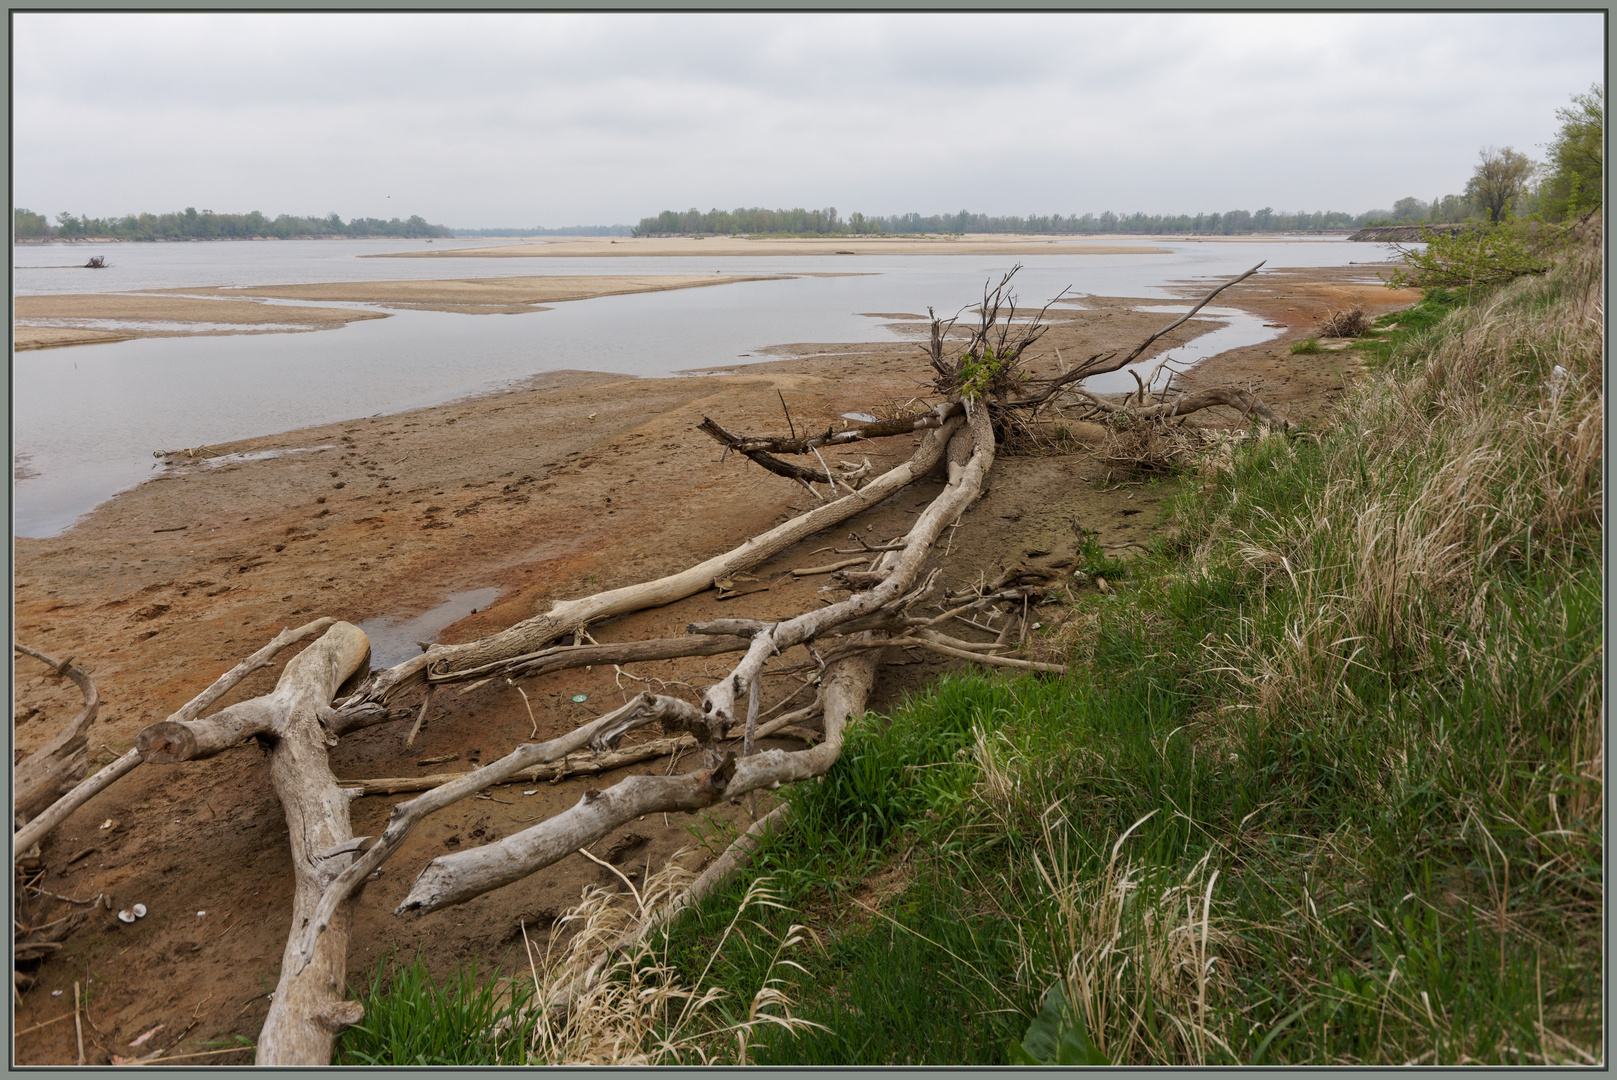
<point x="87" y="418"/>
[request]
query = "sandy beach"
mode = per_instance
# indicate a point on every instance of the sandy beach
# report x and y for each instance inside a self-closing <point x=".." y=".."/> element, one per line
<point x="566" y="484"/>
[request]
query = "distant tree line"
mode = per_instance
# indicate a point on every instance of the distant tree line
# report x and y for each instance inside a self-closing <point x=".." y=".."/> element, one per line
<point x="190" y="224"/>
<point x="570" y="230"/>
<point x="826" y="222"/>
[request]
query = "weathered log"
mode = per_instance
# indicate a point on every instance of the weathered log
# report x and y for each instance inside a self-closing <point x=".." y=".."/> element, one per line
<point x="182" y="737"/>
<point x="577" y="766"/>
<point x="903" y="425"/>
<point x="447" y="661"/>
<point x="45" y="775"/>
<point x="561" y="657"/>
<point x="309" y="1011"/>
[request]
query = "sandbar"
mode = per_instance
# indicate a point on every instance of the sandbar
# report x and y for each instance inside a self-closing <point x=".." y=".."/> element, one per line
<point x="483" y="296"/>
<point x="82" y="318"/>
<point x="73" y="317"/>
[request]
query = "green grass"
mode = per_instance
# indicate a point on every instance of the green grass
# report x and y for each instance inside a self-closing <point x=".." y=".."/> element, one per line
<point x="412" y="1020"/>
<point x="1308" y="346"/>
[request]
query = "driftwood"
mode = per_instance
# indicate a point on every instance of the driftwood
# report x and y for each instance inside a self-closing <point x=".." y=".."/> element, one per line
<point x="581" y="764"/>
<point x="43" y="776"/>
<point x="309" y="1011"/>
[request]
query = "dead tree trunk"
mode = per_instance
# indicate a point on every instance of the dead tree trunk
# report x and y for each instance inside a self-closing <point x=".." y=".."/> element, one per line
<point x="309" y="1010"/>
<point x="295" y="721"/>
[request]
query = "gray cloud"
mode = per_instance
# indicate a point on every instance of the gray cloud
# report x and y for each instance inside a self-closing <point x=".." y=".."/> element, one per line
<point x="521" y="119"/>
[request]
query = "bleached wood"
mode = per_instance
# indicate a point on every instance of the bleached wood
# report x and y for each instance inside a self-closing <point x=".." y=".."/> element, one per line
<point x="644" y="709"/>
<point x="309" y="1011"/>
<point x="42" y="825"/>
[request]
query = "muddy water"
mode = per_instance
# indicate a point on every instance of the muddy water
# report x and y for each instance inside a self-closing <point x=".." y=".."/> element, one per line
<point x="395" y="640"/>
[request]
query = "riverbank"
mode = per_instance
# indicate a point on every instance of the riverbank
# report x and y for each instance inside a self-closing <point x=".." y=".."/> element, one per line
<point x="563" y="485"/>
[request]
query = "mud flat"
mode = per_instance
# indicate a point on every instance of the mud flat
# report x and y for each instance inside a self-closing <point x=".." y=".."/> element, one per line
<point x="561" y="486"/>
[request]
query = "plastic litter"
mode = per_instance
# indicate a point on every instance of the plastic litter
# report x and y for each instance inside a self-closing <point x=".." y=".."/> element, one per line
<point x="579" y="699"/>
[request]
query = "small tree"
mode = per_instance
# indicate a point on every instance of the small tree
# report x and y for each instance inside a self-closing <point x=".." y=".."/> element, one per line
<point x="26" y="224"/>
<point x="1576" y="180"/>
<point x="1501" y="176"/>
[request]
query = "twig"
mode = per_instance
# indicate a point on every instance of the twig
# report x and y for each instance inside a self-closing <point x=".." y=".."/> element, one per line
<point x="534" y="733"/>
<point x="421" y="717"/>
<point x="78" y="1027"/>
<point x="789" y="426"/>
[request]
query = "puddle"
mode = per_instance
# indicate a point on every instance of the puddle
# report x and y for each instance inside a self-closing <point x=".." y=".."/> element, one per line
<point x="255" y="455"/>
<point x="393" y="641"/>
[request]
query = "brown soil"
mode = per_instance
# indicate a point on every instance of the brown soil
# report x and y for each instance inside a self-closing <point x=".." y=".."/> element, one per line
<point x="566" y="484"/>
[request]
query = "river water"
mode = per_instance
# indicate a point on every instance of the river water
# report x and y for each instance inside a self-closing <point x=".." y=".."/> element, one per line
<point x="86" y="419"/>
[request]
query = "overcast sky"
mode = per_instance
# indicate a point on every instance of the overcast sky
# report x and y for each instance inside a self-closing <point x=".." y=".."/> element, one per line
<point x="484" y="120"/>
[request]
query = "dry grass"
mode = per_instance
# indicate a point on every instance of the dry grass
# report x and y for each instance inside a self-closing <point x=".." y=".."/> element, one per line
<point x="634" y="1009"/>
<point x="1143" y="950"/>
<point x="1349" y="323"/>
<point x="1492" y="453"/>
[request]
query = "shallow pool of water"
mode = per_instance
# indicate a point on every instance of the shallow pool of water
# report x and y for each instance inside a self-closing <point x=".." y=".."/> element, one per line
<point x="395" y="639"/>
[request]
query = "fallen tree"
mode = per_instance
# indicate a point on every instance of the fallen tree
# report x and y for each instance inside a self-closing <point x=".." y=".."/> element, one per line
<point x="987" y="397"/>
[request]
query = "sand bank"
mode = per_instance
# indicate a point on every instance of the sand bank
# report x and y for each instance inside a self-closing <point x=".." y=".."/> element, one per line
<point x="79" y="319"/>
<point x="82" y="319"/>
<point x="596" y="247"/>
